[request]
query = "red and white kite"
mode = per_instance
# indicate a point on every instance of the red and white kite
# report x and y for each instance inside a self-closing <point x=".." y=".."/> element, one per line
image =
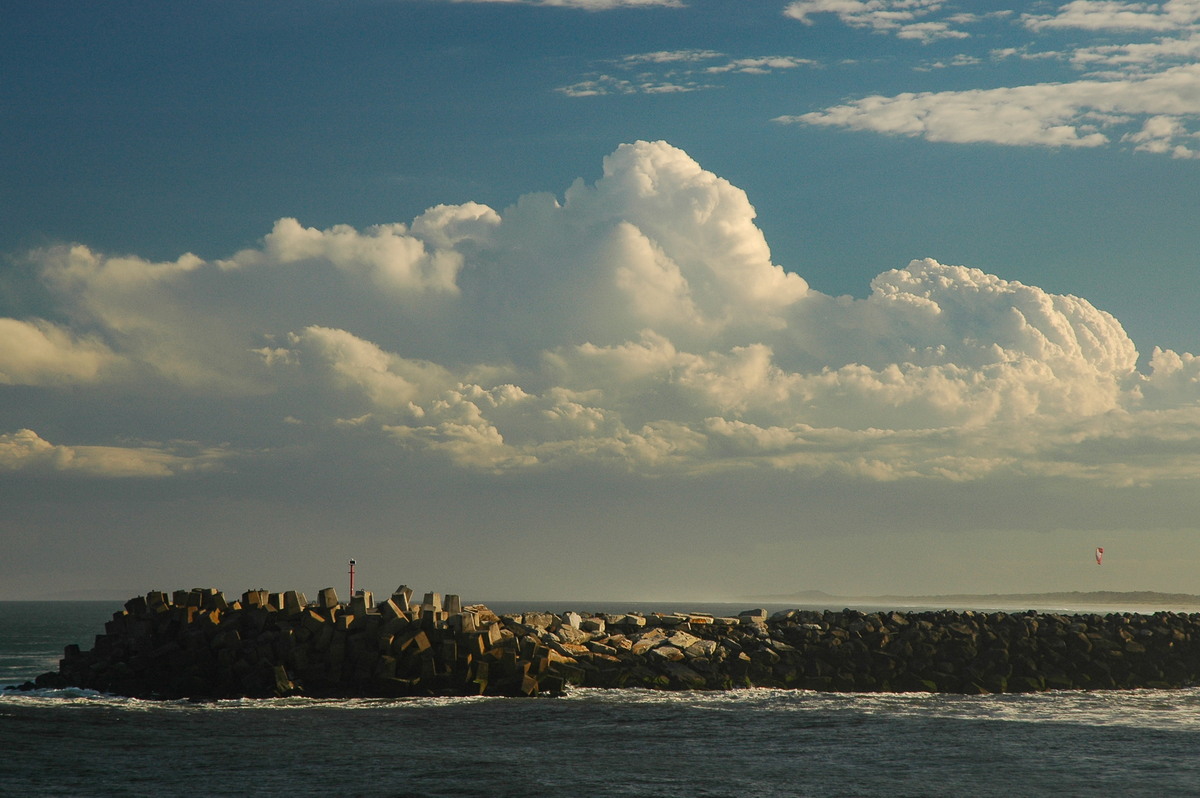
<point x="1099" y="554"/>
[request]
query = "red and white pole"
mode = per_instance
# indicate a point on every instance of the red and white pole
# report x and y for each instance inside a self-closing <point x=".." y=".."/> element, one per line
<point x="352" y="579"/>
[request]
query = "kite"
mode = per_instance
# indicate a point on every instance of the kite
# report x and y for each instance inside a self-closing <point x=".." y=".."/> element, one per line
<point x="1099" y="554"/>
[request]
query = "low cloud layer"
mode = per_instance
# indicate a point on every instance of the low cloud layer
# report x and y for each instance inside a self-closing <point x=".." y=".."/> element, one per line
<point x="635" y="323"/>
<point x="25" y="451"/>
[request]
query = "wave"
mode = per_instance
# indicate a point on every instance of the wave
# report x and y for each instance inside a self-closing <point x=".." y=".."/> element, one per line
<point x="1142" y="709"/>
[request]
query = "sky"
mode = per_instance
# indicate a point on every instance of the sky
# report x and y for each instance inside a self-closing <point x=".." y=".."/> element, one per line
<point x="644" y="300"/>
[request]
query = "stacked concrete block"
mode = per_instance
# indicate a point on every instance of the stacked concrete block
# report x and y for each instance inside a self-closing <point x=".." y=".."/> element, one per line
<point x="204" y="647"/>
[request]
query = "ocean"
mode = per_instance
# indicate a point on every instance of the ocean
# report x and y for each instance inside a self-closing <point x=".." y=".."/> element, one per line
<point x="753" y="742"/>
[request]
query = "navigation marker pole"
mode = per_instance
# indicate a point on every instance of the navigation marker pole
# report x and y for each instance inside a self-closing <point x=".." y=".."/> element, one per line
<point x="351" y="578"/>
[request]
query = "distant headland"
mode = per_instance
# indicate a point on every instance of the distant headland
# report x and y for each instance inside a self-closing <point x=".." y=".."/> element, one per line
<point x="1091" y="598"/>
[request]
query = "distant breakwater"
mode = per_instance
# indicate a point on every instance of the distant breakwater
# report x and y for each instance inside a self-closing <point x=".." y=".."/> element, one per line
<point x="196" y="644"/>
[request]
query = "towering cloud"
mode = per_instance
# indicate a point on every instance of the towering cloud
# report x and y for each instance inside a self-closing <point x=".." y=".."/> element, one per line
<point x="636" y="322"/>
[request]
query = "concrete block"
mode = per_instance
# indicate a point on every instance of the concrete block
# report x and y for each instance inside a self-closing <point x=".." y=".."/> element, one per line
<point x="327" y="598"/>
<point x="472" y="643"/>
<point x="385" y="667"/>
<point x="390" y="609"/>
<point x="282" y="684"/>
<point x="600" y="648"/>
<point x="483" y="616"/>
<point x="292" y="603"/>
<point x="432" y="602"/>
<point x="403" y="597"/>
<point x="313" y="620"/>
<point x="570" y="650"/>
<point x="361" y="601"/>
<point x="541" y="620"/>
<point x="254" y="598"/>
<point x="216" y="601"/>
<point x="669" y="653"/>
<point x="480" y="678"/>
<point x="452" y="604"/>
<point x="648" y="641"/>
<point x="595" y="625"/>
<point x="571" y="634"/>
<point x="569" y="673"/>
<point x="681" y="639"/>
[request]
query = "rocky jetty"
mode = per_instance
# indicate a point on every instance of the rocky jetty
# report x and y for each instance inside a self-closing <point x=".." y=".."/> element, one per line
<point x="196" y="644"/>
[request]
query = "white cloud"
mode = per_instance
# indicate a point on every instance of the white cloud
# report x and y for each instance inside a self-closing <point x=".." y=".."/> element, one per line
<point x="1166" y="134"/>
<point x="392" y="257"/>
<point x="670" y="57"/>
<point x="602" y="85"/>
<point x="635" y="323"/>
<point x="25" y="451"/>
<point x="1110" y="15"/>
<point x="1048" y="114"/>
<point x="384" y="380"/>
<point x="675" y="71"/>
<point x="1138" y="57"/>
<point x="40" y="353"/>
<point x="899" y="17"/>
<point x="760" y="66"/>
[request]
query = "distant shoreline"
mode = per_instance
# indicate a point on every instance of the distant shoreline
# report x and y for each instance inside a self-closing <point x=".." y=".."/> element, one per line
<point x="1072" y="598"/>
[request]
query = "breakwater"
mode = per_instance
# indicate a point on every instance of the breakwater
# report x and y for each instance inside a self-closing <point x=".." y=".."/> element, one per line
<point x="197" y="644"/>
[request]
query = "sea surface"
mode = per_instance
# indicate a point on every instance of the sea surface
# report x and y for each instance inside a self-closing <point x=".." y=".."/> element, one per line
<point x="588" y="743"/>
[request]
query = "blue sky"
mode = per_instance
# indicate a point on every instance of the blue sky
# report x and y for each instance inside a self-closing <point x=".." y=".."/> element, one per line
<point x="599" y="299"/>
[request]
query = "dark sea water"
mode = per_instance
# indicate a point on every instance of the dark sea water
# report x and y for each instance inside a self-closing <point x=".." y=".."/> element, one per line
<point x="588" y="743"/>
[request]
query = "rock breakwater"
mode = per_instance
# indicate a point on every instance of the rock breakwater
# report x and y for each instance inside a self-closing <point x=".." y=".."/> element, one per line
<point x="196" y="644"/>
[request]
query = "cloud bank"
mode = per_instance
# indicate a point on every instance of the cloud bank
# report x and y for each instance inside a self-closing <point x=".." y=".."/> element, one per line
<point x="1143" y="94"/>
<point x="635" y="323"/>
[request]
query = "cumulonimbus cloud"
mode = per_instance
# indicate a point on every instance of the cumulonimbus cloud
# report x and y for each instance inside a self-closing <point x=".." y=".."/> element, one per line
<point x="637" y="322"/>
